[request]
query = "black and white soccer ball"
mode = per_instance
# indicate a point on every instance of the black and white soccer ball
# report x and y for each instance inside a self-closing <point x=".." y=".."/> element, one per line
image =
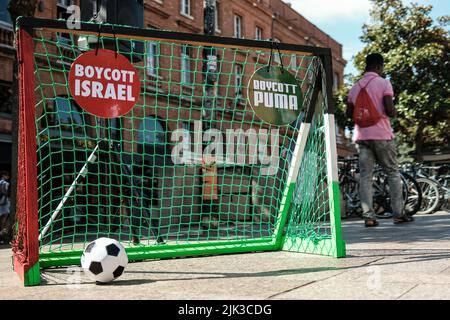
<point x="104" y="260"/>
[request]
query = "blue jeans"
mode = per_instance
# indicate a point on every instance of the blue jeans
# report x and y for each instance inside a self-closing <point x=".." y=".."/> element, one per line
<point x="384" y="153"/>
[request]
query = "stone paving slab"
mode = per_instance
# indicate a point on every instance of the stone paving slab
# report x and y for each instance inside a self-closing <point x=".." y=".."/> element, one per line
<point x="428" y="291"/>
<point x="390" y="262"/>
<point x="341" y="288"/>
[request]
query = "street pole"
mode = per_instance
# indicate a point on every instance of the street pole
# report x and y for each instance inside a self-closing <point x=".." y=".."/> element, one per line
<point x="209" y="207"/>
<point x="210" y="67"/>
<point x="271" y="27"/>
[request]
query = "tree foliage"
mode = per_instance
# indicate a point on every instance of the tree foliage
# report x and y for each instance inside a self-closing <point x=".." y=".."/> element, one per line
<point x="416" y="49"/>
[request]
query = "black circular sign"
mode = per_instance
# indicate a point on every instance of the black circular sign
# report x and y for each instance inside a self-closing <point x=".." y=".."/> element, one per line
<point x="274" y="95"/>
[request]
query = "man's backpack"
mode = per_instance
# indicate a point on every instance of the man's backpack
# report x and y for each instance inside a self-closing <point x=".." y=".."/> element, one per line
<point x="365" y="113"/>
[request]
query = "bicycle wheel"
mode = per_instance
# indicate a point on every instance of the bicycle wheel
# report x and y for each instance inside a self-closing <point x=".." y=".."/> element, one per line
<point x="445" y="206"/>
<point x="350" y="193"/>
<point x="430" y="195"/>
<point x="381" y="196"/>
<point x="414" y="194"/>
<point x="444" y="187"/>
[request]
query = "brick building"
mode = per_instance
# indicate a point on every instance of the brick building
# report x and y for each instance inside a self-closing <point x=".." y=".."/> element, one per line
<point x="250" y="19"/>
<point x="257" y="19"/>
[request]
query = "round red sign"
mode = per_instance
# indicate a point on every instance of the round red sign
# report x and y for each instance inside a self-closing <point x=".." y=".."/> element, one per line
<point x="104" y="83"/>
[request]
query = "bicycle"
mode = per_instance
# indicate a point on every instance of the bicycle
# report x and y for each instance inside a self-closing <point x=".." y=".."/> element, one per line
<point x="412" y="194"/>
<point x="443" y="178"/>
<point x="349" y="185"/>
<point x="431" y="190"/>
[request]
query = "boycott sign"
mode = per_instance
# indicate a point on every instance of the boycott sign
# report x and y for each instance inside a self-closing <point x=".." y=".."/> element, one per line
<point x="274" y="95"/>
<point x="104" y="84"/>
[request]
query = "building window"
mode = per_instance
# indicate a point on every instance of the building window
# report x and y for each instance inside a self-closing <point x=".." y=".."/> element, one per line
<point x="277" y="58"/>
<point x="186" y="7"/>
<point x="152" y="58"/>
<point x="69" y="116"/>
<point x="258" y="33"/>
<point x="65" y="118"/>
<point x="61" y="6"/>
<point x="187" y="156"/>
<point x="61" y="12"/>
<point x="65" y="3"/>
<point x="293" y="62"/>
<point x="237" y="26"/>
<point x="4" y="14"/>
<point x="217" y="16"/>
<point x="5" y="94"/>
<point x="151" y="132"/>
<point x="185" y="66"/>
<point x="335" y="81"/>
<point x="186" y="126"/>
<point x="238" y="80"/>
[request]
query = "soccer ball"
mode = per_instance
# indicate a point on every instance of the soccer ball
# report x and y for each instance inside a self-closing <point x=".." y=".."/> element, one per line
<point x="104" y="260"/>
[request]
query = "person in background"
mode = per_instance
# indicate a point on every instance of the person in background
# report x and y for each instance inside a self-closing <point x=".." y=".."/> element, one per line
<point x="375" y="138"/>
<point x="5" y="203"/>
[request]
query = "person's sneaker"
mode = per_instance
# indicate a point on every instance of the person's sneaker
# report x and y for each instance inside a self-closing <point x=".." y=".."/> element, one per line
<point x="370" y="223"/>
<point x="136" y="240"/>
<point x="160" y="240"/>
<point x="403" y="219"/>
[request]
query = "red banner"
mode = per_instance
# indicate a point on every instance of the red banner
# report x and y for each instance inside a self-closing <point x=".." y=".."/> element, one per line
<point x="104" y="83"/>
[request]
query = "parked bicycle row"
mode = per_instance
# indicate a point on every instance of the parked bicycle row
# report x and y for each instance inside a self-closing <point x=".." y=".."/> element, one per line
<point x="425" y="189"/>
<point x="434" y="182"/>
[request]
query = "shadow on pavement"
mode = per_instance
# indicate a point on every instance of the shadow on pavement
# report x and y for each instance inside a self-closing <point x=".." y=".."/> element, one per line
<point x="426" y="229"/>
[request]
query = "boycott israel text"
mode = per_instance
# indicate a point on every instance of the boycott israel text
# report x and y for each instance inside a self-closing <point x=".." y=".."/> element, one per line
<point x="104" y="83"/>
<point x="95" y="89"/>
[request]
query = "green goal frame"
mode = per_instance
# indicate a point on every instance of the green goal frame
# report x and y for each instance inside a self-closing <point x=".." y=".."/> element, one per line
<point x="294" y="227"/>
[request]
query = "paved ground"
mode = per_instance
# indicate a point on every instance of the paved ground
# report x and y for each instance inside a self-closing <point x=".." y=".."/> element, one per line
<point x="389" y="262"/>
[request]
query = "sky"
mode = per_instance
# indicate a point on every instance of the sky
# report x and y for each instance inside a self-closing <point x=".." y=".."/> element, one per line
<point x="343" y="20"/>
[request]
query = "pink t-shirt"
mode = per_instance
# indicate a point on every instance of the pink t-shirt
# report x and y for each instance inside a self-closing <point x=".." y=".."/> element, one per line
<point x="377" y="89"/>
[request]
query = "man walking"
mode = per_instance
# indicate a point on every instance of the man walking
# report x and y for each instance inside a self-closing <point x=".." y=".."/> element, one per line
<point x="370" y="104"/>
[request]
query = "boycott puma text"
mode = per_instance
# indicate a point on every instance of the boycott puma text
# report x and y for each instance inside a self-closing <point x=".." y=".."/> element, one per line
<point x="276" y="95"/>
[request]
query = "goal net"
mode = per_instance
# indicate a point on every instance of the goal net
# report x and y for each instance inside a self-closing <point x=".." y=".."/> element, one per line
<point x="195" y="168"/>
